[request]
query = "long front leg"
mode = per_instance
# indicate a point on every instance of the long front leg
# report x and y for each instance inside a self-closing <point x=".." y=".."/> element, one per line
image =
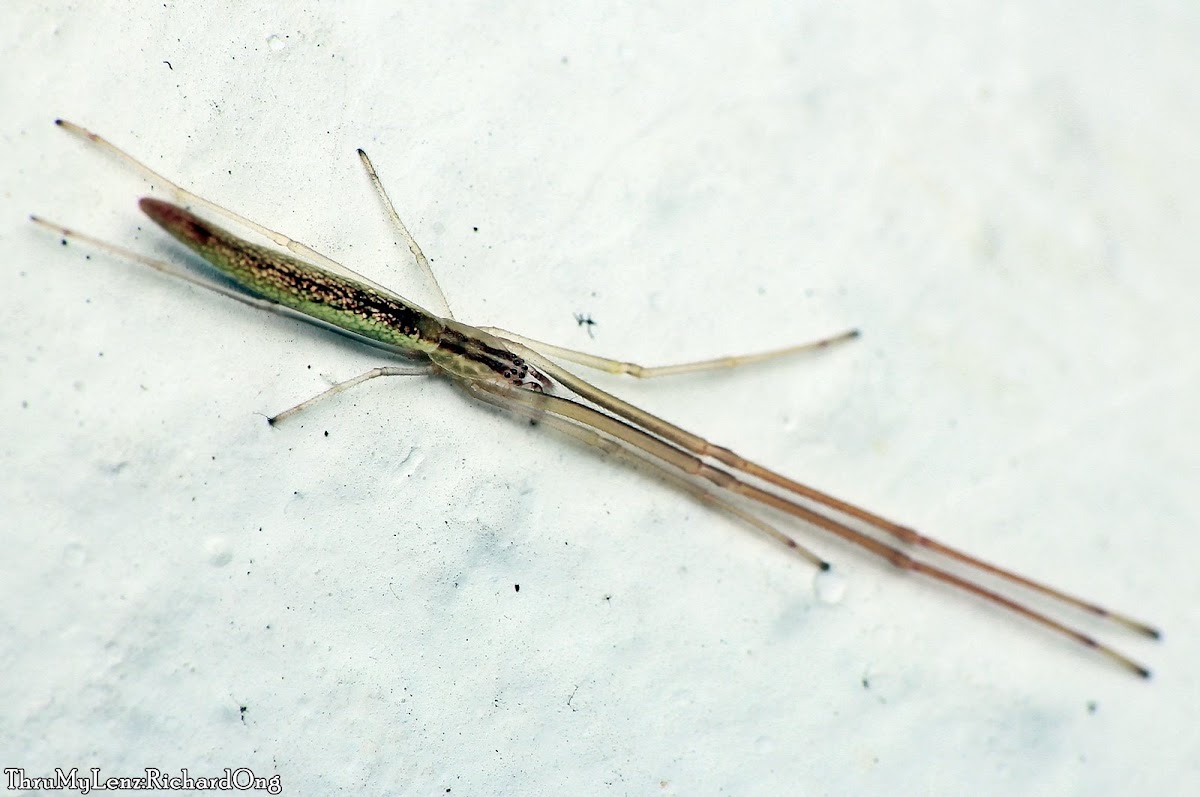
<point x="693" y="466"/>
<point x="615" y="447"/>
<point x="699" y="446"/>
<point x="675" y="369"/>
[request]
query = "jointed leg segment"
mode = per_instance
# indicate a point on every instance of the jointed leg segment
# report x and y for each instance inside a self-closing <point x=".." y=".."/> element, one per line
<point x="295" y="247"/>
<point x="615" y="447"/>
<point x="650" y="372"/>
<point x="391" y="370"/>
<point x="693" y="466"/>
<point x="701" y="447"/>
<point x="413" y="247"/>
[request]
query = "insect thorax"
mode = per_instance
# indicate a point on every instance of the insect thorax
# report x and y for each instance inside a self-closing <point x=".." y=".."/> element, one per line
<point x="474" y="354"/>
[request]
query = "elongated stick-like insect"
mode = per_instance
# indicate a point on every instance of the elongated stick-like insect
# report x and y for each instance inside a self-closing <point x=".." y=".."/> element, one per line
<point x="514" y="372"/>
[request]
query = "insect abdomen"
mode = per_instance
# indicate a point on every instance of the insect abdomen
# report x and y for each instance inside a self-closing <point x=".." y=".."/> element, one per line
<point x="306" y="288"/>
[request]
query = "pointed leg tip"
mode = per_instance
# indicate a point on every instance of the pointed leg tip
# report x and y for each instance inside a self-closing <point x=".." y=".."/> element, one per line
<point x="1144" y="673"/>
<point x="59" y="122"/>
<point x="824" y="567"/>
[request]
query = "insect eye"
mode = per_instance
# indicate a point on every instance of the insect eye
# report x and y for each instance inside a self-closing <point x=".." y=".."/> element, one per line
<point x="517" y="361"/>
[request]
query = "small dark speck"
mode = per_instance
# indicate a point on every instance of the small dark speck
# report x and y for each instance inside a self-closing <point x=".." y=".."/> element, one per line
<point x="516" y="587"/>
<point x="63" y="242"/>
<point x="168" y="63"/>
<point x="586" y="320"/>
<point x="476" y="229"/>
<point x="24" y="405"/>
<point x="327" y="433"/>
<point x="1092" y="706"/>
<point x="242" y="711"/>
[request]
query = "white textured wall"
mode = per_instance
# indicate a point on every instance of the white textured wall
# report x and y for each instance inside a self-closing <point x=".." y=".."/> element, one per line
<point x="1000" y="199"/>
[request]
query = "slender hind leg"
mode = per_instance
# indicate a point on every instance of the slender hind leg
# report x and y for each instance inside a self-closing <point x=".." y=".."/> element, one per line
<point x="172" y="270"/>
<point x="374" y="373"/>
<point x="164" y="267"/>
<point x="418" y="255"/>
<point x="188" y="197"/>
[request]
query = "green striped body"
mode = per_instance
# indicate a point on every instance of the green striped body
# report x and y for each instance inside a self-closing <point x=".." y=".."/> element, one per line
<point x="303" y="287"/>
